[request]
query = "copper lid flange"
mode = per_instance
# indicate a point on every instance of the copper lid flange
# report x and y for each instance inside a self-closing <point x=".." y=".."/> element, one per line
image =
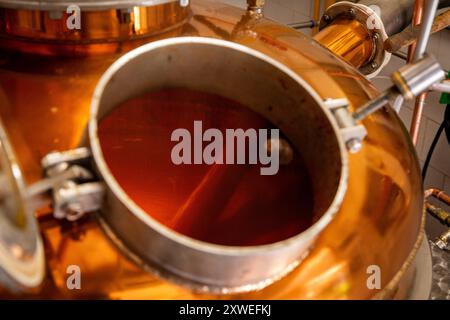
<point x="364" y="14"/>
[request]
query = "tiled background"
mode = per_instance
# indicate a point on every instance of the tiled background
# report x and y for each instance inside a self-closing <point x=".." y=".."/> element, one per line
<point x="291" y="11"/>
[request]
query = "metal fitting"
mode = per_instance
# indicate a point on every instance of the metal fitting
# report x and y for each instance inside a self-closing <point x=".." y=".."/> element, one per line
<point x="352" y="133"/>
<point x="256" y="6"/>
<point x="414" y="79"/>
<point x="443" y="240"/>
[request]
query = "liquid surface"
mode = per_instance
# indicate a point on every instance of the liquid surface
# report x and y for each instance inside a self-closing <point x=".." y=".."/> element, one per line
<point x="225" y="204"/>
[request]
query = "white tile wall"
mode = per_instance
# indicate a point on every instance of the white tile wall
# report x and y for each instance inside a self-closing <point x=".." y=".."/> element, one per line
<point x="283" y="11"/>
<point x="290" y="11"/>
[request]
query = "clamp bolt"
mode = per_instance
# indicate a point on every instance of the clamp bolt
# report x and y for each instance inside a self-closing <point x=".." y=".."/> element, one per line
<point x="354" y="145"/>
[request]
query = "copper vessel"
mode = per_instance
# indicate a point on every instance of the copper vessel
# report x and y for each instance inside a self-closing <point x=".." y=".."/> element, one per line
<point x="47" y="80"/>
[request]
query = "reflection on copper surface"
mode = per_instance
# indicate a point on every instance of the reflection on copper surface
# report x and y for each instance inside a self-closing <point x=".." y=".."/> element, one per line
<point x="349" y="39"/>
<point x="228" y="204"/>
<point x="380" y="219"/>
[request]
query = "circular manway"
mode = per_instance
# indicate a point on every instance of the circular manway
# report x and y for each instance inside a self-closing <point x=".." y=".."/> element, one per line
<point x="188" y="217"/>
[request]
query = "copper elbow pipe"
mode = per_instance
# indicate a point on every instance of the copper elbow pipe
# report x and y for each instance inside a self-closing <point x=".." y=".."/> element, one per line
<point x="438" y="194"/>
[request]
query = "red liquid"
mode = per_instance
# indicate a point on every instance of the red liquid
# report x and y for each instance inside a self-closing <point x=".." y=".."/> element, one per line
<point x="224" y="204"/>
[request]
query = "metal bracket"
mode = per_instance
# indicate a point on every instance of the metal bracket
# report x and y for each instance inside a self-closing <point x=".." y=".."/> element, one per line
<point x="75" y="189"/>
<point x="352" y="132"/>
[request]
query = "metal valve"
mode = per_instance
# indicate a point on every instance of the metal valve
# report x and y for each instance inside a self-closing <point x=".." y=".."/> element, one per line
<point x="414" y="79"/>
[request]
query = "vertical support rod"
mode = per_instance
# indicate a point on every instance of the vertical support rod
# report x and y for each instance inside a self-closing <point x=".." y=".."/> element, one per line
<point x="417" y="20"/>
<point x="316" y="14"/>
<point x="429" y="12"/>
<point x="417" y="118"/>
<point x="420" y="101"/>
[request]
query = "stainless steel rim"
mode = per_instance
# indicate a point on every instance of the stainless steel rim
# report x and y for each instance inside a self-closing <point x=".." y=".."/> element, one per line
<point x="203" y="247"/>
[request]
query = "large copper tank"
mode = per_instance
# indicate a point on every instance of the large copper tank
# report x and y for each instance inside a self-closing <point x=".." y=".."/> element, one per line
<point x="380" y="221"/>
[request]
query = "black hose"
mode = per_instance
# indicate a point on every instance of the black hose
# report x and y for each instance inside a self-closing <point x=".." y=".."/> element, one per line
<point x="444" y="4"/>
<point x="447" y="128"/>
<point x="444" y="126"/>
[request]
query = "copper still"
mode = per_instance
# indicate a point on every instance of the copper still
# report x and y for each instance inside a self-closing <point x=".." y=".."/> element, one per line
<point x="57" y="83"/>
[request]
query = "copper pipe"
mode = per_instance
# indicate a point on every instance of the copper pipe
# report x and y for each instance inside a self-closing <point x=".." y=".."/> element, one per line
<point x="417" y="117"/>
<point x="438" y="213"/>
<point x="424" y="16"/>
<point x="441" y="215"/>
<point x="417" y="20"/>
<point x="420" y="101"/>
<point x="316" y="15"/>
<point x="438" y="194"/>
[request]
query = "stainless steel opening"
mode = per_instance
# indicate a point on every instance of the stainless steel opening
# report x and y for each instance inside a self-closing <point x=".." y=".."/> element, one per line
<point x="254" y="80"/>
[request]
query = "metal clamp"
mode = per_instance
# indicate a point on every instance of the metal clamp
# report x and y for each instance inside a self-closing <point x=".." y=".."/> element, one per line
<point x="352" y="132"/>
<point x="75" y="189"/>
